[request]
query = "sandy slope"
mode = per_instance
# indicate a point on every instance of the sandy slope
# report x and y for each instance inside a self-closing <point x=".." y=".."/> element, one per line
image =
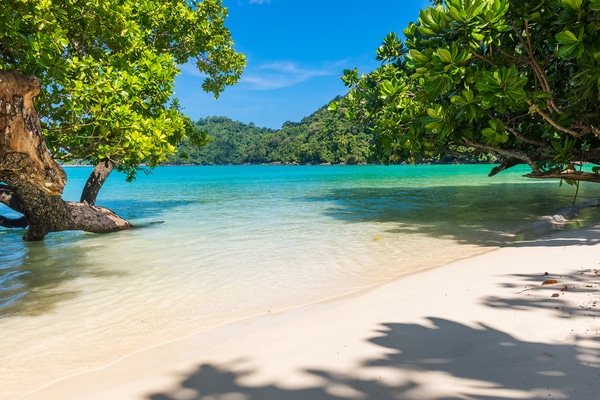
<point x="479" y="328"/>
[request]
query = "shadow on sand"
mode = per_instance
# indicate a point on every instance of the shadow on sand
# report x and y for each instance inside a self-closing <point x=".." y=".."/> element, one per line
<point x="443" y="359"/>
<point x="425" y="362"/>
<point x="533" y="296"/>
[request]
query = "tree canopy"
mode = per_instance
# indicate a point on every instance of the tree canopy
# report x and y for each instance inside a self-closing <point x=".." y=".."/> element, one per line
<point x="101" y="74"/>
<point x="107" y="70"/>
<point x="517" y="79"/>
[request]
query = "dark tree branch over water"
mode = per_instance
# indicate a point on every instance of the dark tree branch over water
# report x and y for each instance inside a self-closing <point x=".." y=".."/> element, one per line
<point x="101" y="76"/>
<point x="514" y="79"/>
<point x="34" y="180"/>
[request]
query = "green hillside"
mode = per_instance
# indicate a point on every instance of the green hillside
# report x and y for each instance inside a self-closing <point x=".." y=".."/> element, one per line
<point x="321" y="138"/>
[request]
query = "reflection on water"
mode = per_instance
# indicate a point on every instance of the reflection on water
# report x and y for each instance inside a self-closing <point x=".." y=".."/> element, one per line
<point x="486" y="215"/>
<point x="33" y="274"/>
<point x="241" y="219"/>
<point x="273" y="221"/>
<point x="240" y="241"/>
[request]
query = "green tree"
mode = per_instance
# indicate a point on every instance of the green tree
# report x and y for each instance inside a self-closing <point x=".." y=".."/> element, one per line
<point x="105" y="74"/>
<point x="317" y="139"/>
<point x="515" y="79"/>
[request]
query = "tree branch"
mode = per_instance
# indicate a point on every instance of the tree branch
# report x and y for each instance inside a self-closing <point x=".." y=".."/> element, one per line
<point x="481" y="57"/>
<point x="560" y="127"/>
<point x="527" y="140"/>
<point x="6" y="222"/>
<point x="568" y="175"/>
<point x="95" y="181"/>
<point x="94" y="219"/>
<point x="537" y="69"/>
<point x="588" y="129"/>
<point x="9" y="198"/>
<point x="511" y="153"/>
<point x="504" y="165"/>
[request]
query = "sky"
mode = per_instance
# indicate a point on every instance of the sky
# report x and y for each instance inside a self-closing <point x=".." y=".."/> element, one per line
<point x="296" y="53"/>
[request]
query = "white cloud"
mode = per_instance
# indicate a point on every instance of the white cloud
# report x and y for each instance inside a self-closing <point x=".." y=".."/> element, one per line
<point x="273" y="75"/>
<point x="283" y="74"/>
<point x="260" y="1"/>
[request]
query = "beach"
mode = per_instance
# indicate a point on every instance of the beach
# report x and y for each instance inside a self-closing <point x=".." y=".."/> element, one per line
<point x="520" y="322"/>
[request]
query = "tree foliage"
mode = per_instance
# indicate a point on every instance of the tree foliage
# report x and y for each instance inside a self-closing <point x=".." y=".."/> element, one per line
<point x="317" y="139"/>
<point x="228" y="142"/>
<point x="518" y="79"/>
<point x="107" y="70"/>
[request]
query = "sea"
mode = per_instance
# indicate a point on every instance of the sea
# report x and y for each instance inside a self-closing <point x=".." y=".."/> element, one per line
<point x="217" y="244"/>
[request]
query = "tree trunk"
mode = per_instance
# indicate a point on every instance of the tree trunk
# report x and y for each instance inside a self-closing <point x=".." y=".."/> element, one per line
<point x="95" y="181"/>
<point x="34" y="182"/>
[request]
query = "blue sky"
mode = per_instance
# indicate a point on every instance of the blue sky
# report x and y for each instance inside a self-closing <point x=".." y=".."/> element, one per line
<point x="296" y="52"/>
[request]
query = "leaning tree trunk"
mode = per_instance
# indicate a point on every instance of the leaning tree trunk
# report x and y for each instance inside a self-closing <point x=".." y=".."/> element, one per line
<point x="34" y="182"/>
<point x="95" y="181"/>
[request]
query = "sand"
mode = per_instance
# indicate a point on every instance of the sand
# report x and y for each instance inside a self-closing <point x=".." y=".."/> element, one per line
<point x="479" y="328"/>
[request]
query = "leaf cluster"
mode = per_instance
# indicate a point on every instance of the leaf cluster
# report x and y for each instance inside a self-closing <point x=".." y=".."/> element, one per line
<point x="107" y="69"/>
<point x="517" y="79"/>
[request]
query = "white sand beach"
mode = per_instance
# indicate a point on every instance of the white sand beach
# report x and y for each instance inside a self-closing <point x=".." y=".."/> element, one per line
<point x="479" y="328"/>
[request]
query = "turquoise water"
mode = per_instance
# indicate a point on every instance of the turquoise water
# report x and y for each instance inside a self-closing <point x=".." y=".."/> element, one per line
<point x="239" y="241"/>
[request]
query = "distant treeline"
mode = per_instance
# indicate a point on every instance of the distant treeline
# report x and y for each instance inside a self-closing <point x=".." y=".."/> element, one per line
<point x="321" y="138"/>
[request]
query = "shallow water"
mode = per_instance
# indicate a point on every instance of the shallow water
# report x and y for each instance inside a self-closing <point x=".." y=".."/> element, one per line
<point x="239" y="241"/>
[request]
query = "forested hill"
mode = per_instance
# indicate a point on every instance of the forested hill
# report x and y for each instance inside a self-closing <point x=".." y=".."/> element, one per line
<point x="318" y="139"/>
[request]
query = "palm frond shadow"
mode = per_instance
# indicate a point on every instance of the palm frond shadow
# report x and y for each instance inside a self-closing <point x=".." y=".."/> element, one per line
<point x="531" y="294"/>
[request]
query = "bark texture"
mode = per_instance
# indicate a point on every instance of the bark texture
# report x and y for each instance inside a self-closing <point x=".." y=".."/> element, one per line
<point x="95" y="181"/>
<point x="23" y="152"/>
<point x="34" y="181"/>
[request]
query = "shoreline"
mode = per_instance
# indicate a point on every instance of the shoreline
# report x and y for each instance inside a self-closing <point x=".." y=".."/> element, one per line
<point x="482" y="326"/>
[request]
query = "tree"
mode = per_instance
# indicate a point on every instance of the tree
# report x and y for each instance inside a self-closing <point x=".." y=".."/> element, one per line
<point x="319" y="138"/>
<point x="104" y="85"/>
<point x="516" y="79"/>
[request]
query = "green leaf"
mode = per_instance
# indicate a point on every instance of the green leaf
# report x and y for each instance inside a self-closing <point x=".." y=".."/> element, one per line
<point x="386" y="88"/>
<point x="419" y="57"/>
<point x="516" y="93"/>
<point x="455" y="14"/>
<point x="496" y="133"/>
<point x="445" y="56"/>
<point x="566" y="37"/>
<point x="436" y="85"/>
<point x="568" y="52"/>
<point x="433" y="113"/>
<point x="572" y="4"/>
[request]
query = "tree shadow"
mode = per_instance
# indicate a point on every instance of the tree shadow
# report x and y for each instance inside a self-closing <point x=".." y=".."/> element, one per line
<point x="530" y="293"/>
<point x="491" y="215"/>
<point x="33" y="274"/>
<point x="439" y="359"/>
<point x="566" y="239"/>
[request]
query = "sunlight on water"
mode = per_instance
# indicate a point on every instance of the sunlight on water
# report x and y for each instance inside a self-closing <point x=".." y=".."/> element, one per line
<point x="240" y="241"/>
